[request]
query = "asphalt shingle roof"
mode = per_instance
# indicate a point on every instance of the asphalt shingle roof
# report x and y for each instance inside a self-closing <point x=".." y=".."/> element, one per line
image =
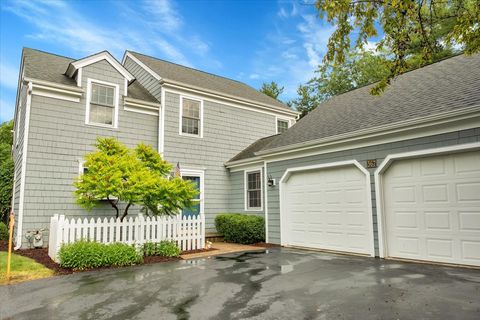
<point x="443" y="86"/>
<point x="208" y="81"/>
<point x="249" y="152"/>
<point x="50" y="67"/>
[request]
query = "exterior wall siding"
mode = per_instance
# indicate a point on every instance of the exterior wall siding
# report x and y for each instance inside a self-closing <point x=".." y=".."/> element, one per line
<point x="237" y="194"/>
<point x="59" y="139"/>
<point x="144" y="78"/>
<point x="226" y="131"/>
<point x="378" y="152"/>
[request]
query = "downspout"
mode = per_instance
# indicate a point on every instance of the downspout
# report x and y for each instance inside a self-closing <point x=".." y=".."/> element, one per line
<point x="265" y="179"/>
<point x="18" y="244"/>
<point x="161" y="123"/>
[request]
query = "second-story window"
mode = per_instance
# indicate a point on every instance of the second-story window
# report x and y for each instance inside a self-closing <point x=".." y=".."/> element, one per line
<point x="282" y="125"/>
<point x="191" y="117"/>
<point x="102" y="104"/>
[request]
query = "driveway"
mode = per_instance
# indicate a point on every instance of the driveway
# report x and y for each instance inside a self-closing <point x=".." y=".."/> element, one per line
<point x="275" y="284"/>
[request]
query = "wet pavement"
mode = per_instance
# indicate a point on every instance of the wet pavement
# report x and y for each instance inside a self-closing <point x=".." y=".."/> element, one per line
<point x="275" y="284"/>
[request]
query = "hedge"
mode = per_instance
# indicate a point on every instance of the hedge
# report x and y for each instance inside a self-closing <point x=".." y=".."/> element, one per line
<point x="83" y="255"/>
<point x="3" y="231"/>
<point x="241" y="228"/>
<point x="163" y="248"/>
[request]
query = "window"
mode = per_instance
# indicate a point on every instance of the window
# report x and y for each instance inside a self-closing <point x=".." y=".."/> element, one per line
<point x="197" y="179"/>
<point x="191" y="113"/>
<point x="253" y="183"/>
<point x="102" y="104"/>
<point x="282" y="125"/>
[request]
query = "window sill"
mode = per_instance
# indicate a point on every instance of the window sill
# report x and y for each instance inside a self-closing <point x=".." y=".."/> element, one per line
<point x="101" y="126"/>
<point x="191" y="135"/>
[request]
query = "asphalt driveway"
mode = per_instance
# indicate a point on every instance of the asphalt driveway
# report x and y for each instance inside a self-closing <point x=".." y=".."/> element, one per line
<point x="276" y="284"/>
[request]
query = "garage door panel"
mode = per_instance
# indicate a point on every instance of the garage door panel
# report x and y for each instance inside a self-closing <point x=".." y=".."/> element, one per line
<point x="432" y="211"/>
<point x="336" y="210"/>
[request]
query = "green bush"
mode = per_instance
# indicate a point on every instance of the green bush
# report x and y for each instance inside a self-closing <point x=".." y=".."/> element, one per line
<point x="241" y="228"/>
<point x="3" y="231"/>
<point x="163" y="248"/>
<point x="83" y="255"/>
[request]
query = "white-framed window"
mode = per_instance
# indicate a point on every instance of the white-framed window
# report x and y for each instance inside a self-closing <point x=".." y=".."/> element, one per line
<point x="102" y="103"/>
<point x="282" y="125"/>
<point x="253" y="190"/>
<point x="196" y="177"/>
<point x="191" y="117"/>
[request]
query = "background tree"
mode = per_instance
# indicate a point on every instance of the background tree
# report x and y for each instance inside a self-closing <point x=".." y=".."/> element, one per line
<point x="306" y="100"/>
<point x="271" y="89"/>
<point x="139" y="176"/>
<point x="410" y="28"/>
<point x="6" y="168"/>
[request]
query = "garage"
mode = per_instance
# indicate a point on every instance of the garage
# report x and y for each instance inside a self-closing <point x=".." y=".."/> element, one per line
<point x="431" y="207"/>
<point x="327" y="207"/>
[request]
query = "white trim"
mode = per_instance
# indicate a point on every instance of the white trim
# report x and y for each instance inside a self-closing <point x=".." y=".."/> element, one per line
<point x="245" y="189"/>
<point x="104" y="55"/>
<point x="161" y="123"/>
<point x="72" y="90"/>
<point x="53" y="95"/>
<point x="232" y="102"/>
<point x="288" y="120"/>
<point x="246" y="166"/>
<point x="390" y="128"/>
<point x="180" y="113"/>
<point x="87" y="103"/>
<point x="81" y="166"/>
<point x="201" y="175"/>
<point x="79" y="77"/>
<point x="139" y="106"/>
<point x="125" y="88"/>
<point x="128" y="54"/>
<point x="382" y="238"/>
<point x="24" y="167"/>
<point x="18" y="119"/>
<point x="265" y="201"/>
<point x="288" y="173"/>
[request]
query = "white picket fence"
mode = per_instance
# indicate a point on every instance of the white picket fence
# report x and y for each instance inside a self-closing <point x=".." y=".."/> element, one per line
<point x="187" y="232"/>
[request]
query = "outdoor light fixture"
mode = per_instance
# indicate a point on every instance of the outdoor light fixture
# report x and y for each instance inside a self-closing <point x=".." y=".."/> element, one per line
<point x="271" y="181"/>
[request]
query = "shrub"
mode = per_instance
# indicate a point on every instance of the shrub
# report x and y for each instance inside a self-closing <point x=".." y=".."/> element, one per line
<point x="83" y="255"/>
<point x="163" y="248"/>
<point x="241" y="228"/>
<point x="3" y="231"/>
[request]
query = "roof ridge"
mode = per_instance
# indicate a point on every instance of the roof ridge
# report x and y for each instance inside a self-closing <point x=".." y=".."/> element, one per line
<point x="191" y="68"/>
<point x="50" y="53"/>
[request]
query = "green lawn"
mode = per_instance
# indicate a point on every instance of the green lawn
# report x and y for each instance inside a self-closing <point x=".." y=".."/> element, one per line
<point x="22" y="269"/>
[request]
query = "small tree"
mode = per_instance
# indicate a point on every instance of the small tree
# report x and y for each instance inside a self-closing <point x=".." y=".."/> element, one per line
<point x="132" y="176"/>
<point x="271" y="89"/>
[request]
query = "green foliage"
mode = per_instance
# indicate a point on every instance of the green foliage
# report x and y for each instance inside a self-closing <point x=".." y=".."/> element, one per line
<point x="241" y="228"/>
<point x="271" y="89"/>
<point x="83" y="255"/>
<point x="139" y="176"/>
<point x="3" y="231"/>
<point x="163" y="248"/>
<point x="422" y="30"/>
<point x="6" y="168"/>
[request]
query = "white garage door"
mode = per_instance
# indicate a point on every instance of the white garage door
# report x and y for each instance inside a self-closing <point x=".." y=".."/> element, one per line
<point x="328" y="209"/>
<point x="432" y="208"/>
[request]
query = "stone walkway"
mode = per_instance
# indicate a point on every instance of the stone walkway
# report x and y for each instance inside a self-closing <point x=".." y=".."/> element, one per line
<point x="222" y="248"/>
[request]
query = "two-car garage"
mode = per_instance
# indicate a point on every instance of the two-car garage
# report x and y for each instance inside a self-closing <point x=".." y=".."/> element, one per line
<point x="428" y="206"/>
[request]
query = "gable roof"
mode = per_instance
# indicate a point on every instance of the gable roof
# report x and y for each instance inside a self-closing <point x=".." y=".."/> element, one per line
<point x="103" y="55"/>
<point x="446" y="86"/>
<point x="249" y="152"/>
<point x="206" y="81"/>
<point x="51" y="67"/>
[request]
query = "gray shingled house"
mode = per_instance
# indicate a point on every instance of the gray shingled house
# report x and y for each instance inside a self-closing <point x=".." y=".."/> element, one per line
<point x="396" y="175"/>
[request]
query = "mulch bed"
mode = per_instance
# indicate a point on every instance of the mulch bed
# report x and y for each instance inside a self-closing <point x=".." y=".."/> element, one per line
<point x="41" y="256"/>
<point x="266" y="245"/>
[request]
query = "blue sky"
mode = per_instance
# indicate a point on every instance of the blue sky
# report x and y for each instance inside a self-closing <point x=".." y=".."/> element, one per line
<point x="251" y="41"/>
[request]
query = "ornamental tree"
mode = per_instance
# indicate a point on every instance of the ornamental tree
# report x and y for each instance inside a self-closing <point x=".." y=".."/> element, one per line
<point x="137" y="176"/>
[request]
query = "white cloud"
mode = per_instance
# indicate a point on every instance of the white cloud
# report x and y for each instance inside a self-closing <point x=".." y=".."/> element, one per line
<point x="282" y="13"/>
<point x="166" y="17"/>
<point x="254" y="76"/>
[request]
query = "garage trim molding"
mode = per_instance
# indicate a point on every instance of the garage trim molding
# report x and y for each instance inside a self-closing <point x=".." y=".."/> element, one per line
<point x="290" y="171"/>
<point x="382" y="237"/>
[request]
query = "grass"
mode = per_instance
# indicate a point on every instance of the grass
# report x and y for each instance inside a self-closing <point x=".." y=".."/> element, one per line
<point x="22" y="269"/>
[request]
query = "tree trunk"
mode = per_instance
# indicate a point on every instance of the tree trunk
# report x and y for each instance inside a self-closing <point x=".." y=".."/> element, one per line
<point x="114" y="205"/>
<point x="125" y="212"/>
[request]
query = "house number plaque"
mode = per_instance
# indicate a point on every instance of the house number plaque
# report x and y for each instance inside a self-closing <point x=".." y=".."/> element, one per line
<point x="372" y="163"/>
